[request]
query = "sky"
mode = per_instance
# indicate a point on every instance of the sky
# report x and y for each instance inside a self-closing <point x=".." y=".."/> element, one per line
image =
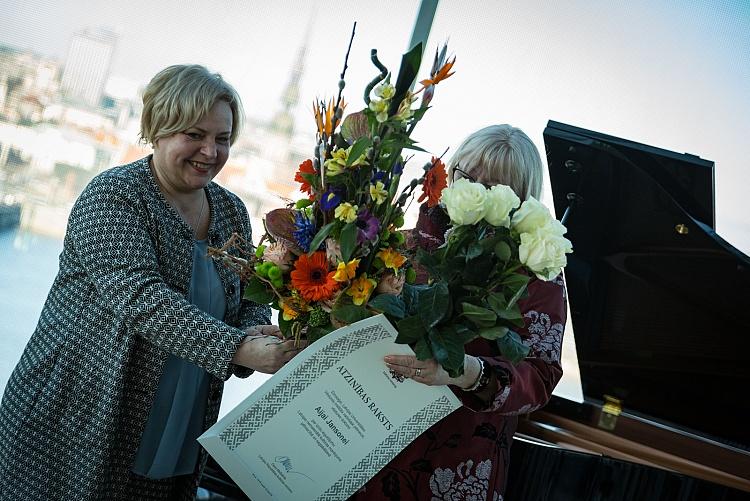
<point x="671" y="74"/>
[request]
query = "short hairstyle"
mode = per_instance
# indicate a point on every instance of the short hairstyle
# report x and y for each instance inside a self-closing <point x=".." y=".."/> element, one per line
<point x="500" y="154"/>
<point x="179" y="96"/>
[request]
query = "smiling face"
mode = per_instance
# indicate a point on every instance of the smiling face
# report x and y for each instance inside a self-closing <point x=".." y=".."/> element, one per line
<point x="187" y="161"/>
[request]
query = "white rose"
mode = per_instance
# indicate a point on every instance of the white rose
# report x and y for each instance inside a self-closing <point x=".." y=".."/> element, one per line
<point x="543" y="251"/>
<point x="464" y="201"/>
<point x="532" y="215"/>
<point x="501" y="199"/>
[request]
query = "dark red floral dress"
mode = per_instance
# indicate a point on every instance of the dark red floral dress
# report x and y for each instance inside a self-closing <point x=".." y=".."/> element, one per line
<point x="465" y="456"/>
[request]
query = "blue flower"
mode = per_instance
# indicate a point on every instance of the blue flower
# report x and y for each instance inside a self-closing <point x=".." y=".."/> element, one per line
<point x="331" y="198"/>
<point x="305" y="231"/>
<point x="398" y="168"/>
<point x="382" y="176"/>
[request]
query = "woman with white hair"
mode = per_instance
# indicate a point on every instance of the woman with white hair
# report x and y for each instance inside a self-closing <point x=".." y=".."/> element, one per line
<point x="466" y="455"/>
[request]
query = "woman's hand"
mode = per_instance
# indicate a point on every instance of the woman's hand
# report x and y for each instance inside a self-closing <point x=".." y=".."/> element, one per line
<point x="265" y="350"/>
<point x="431" y="373"/>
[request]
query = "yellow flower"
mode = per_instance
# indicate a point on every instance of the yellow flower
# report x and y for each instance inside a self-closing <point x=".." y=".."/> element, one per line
<point x="346" y="271"/>
<point x="346" y="212"/>
<point x="385" y="91"/>
<point x="361" y="289"/>
<point x="405" y="112"/>
<point x="378" y="192"/>
<point x="337" y="163"/>
<point x="391" y="258"/>
<point x="292" y="307"/>
<point x="380" y="107"/>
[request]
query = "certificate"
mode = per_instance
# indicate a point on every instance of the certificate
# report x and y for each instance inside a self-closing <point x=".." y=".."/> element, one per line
<point x="328" y="421"/>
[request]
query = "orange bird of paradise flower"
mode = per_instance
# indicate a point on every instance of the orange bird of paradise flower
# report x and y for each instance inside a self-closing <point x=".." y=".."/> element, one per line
<point x="435" y="182"/>
<point x="312" y="278"/>
<point x="442" y="74"/>
<point x="325" y="117"/>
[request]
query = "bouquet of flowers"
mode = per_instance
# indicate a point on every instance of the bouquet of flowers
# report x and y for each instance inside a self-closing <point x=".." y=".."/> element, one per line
<point x="335" y="257"/>
<point x="493" y="247"/>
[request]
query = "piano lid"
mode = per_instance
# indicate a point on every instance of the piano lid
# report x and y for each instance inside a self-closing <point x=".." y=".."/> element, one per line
<point x="660" y="304"/>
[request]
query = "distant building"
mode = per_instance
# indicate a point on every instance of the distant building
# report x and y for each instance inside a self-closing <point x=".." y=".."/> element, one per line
<point x="87" y="65"/>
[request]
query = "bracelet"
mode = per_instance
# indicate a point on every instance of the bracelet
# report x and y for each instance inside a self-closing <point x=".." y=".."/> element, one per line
<point x="480" y="378"/>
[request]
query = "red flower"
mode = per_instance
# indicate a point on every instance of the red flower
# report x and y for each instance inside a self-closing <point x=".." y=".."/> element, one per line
<point x="435" y="181"/>
<point x="305" y="167"/>
<point x="312" y="278"/>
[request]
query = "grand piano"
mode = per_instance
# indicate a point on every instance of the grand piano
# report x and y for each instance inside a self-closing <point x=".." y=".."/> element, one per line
<point x="660" y="306"/>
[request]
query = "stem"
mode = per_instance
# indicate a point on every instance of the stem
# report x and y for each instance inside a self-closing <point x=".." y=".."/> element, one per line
<point x="377" y="79"/>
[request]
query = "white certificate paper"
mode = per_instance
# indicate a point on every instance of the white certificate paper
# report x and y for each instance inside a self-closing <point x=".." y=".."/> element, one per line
<point x="328" y="421"/>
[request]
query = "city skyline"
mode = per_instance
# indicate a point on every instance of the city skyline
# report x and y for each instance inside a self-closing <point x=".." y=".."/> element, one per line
<point x="671" y="75"/>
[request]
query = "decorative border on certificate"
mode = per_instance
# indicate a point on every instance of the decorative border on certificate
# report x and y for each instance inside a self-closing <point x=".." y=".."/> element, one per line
<point x="387" y="449"/>
<point x="273" y="401"/>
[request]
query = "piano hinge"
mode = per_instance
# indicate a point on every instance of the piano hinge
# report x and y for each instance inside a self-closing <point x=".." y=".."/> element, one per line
<point x="610" y="411"/>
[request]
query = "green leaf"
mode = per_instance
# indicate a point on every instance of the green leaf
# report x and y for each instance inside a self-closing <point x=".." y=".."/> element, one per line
<point x="511" y="313"/>
<point x="448" y="349"/>
<point x="517" y="283"/>
<point x="350" y="313"/>
<point x="258" y="292"/>
<point x="496" y="301"/>
<point x="358" y="148"/>
<point x="406" y="74"/>
<point x="315" y="333"/>
<point x="479" y="270"/>
<point x="389" y="304"/>
<point x="320" y="236"/>
<point x="410" y="296"/>
<point x="481" y="317"/>
<point x="474" y="251"/>
<point x="348" y="241"/>
<point x="512" y="348"/>
<point x="502" y="251"/>
<point x="422" y="349"/>
<point x="410" y="330"/>
<point x="493" y="333"/>
<point x="434" y="304"/>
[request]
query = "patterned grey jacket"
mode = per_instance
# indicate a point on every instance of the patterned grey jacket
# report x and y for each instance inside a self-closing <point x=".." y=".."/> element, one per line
<point x="75" y="406"/>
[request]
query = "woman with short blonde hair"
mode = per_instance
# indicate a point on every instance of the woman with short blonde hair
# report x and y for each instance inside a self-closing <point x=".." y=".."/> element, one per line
<point x="140" y="328"/>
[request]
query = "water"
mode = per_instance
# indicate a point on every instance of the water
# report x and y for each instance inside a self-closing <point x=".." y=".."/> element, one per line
<point x="27" y="269"/>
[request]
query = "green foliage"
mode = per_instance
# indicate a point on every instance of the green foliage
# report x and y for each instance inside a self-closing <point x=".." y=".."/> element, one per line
<point x="257" y="291"/>
<point x="392" y="306"/>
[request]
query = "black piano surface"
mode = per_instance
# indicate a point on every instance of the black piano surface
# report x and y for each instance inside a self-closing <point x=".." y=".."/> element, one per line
<point x="660" y="307"/>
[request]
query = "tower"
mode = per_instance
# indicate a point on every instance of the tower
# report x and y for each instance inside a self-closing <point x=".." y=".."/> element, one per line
<point x="87" y="65"/>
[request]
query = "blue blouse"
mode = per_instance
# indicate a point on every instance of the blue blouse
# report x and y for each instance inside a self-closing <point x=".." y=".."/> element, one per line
<point x="168" y="446"/>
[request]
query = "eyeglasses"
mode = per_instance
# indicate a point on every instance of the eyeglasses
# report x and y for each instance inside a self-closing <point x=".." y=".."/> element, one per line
<point x="466" y="175"/>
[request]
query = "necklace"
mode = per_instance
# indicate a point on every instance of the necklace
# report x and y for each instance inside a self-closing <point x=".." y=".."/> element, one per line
<point x="198" y="220"/>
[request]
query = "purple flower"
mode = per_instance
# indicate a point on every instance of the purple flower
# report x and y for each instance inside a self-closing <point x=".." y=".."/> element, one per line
<point x="331" y="198"/>
<point x="368" y="226"/>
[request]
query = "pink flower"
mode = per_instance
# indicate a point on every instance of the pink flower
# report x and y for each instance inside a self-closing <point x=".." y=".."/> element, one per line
<point x="391" y="284"/>
<point x="279" y="254"/>
<point x="333" y="252"/>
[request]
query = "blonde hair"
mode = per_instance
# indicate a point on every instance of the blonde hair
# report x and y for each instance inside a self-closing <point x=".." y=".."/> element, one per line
<point x="179" y="96"/>
<point x="500" y="154"/>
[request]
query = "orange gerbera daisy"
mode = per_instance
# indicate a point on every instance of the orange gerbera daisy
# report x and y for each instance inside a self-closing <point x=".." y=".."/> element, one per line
<point x="305" y="167"/>
<point x="311" y="277"/>
<point x="435" y="182"/>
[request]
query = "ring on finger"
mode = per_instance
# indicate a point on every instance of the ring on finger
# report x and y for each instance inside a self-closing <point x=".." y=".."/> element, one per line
<point x="418" y="372"/>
